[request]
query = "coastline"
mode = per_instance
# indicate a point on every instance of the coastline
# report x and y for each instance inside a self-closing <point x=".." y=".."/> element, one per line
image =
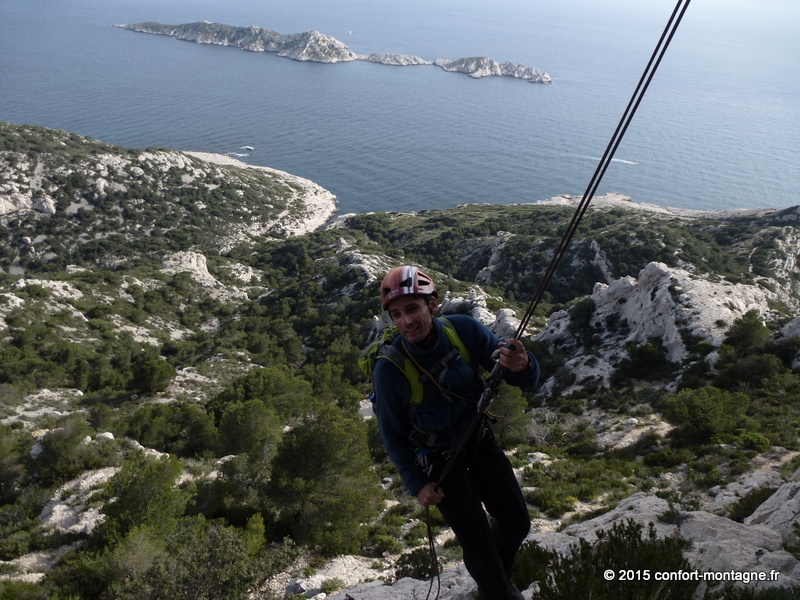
<point x="312" y="208"/>
<point x="613" y="200"/>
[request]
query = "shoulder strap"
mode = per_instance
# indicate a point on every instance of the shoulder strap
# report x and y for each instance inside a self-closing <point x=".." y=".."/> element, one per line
<point x="455" y="339"/>
<point x="402" y="361"/>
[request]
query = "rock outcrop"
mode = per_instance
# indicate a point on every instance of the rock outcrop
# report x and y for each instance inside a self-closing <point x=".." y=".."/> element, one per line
<point x="667" y="305"/>
<point x="478" y="67"/>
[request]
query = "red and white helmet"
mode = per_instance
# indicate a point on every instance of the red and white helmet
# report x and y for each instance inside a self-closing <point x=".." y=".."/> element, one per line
<point x="406" y="280"/>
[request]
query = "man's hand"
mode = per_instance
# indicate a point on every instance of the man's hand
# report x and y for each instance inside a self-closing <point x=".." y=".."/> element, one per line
<point x="430" y="495"/>
<point x="512" y="356"/>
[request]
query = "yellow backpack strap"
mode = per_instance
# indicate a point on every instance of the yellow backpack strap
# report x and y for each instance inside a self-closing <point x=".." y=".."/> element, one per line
<point x="400" y="360"/>
<point x="455" y="340"/>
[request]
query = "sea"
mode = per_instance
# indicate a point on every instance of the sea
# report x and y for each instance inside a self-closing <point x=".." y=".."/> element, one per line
<point x="718" y="128"/>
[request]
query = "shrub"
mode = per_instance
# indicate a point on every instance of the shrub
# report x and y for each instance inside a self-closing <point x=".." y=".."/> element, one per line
<point x="706" y="413"/>
<point x="328" y="586"/>
<point x="20" y="590"/>
<point x="551" y="500"/>
<point x="322" y="487"/>
<point x="748" y="332"/>
<point x="631" y="559"/>
<point x="151" y="373"/>
<point x="416" y="564"/>
<point x="531" y="564"/>
<point x="747" y="504"/>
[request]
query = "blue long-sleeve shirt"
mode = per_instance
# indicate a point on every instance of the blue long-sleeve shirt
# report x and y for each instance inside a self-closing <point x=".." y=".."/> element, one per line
<point x="448" y="418"/>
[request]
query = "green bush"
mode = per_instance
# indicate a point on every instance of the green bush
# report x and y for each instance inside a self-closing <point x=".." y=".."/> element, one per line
<point x="65" y="453"/>
<point x="151" y="373"/>
<point x="323" y="489"/>
<point x="416" y="564"/>
<point x="747" y="504"/>
<point x="553" y="500"/>
<point x="707" y="412"/>
<point x="531" y="564"/>
<point x="632" y="560"/>
<point x="20" y="590"/>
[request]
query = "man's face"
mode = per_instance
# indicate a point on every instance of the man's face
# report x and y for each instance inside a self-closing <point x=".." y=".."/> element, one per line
<point x="413" y="316"/>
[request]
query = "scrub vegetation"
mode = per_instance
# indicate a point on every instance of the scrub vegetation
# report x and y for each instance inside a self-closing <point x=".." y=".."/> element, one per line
<point x="239" y="442"/>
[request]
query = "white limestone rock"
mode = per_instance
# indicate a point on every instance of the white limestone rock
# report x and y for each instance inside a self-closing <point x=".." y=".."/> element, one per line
<point x="456" y="584"/>
<point x="351" y="570"/>
<point x="195" y="264"/>
<point x="398" y="60"/>
<point x="780" y="511"/>
<point x="723" y="496"/>
<point x="68" y="510"/>
<point x="663" y="304"/>
<point x="721" y="545"/>
<point x="482" y="66"/>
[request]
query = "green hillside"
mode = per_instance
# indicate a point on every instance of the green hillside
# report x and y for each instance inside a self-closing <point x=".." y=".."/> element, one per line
<point x="164" y="300"/>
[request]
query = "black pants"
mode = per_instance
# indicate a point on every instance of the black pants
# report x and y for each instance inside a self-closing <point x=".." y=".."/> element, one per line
<point x="485" y="478"/>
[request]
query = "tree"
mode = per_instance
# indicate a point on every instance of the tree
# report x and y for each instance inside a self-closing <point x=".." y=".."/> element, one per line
<point x="748" y="333"/>
<point x="65" y="453"/>
<point x="151" y="373"/>
<point x="707" y="413"/>
<point x="250" y="427"/>
<point x="203" y="561"/>
<point x="12" y="467"/>
<point x="143" y="494"/>
<point x="511" y="426"/>
<point x="323" y="487"/>
<point x="180" y="428"/>
<point x="277" y="387"/>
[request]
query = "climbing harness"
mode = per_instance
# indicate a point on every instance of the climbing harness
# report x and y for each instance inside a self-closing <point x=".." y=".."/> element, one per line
<point x="493" y="381"/>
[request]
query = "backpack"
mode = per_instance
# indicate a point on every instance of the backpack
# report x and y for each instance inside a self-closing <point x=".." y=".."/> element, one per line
<point x="383" y="348"/>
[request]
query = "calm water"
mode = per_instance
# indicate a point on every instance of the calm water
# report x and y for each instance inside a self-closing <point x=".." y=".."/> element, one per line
<point x="718" y="128"/>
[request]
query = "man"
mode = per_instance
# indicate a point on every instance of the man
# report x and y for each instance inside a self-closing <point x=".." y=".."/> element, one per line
<point x="419" y="436"/>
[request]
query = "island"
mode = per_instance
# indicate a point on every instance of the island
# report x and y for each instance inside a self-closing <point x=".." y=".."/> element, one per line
<point x="317" y="47"/>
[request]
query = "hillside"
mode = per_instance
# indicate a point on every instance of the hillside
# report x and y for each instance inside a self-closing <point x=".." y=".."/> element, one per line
<point x="178" y="383"/>
<point x="65" y="199"/>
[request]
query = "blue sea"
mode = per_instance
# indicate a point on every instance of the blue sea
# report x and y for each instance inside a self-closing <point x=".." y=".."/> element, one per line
<point x="718" y="129"/>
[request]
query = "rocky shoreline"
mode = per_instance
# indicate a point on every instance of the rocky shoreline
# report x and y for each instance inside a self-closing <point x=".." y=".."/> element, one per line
<point x="313" y="205"/>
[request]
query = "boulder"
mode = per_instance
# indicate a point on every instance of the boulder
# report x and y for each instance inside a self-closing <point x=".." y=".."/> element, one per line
<point x="456" y="584"/>
<point x="780" y="512"/>
<point x="723" y="496"/>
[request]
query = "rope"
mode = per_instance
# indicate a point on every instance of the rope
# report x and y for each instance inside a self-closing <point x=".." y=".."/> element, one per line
<point x="605" y="161"/>
<point x="435" y="574"/>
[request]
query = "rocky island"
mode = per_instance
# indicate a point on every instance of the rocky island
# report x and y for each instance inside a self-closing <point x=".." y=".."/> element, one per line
<point x="317" y="47"/>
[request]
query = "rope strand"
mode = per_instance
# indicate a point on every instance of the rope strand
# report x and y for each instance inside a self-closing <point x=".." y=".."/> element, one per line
<point x="622" y="127"/>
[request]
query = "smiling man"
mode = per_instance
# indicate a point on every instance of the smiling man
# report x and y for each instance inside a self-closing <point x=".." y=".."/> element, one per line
<point x="421" y="428"/>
